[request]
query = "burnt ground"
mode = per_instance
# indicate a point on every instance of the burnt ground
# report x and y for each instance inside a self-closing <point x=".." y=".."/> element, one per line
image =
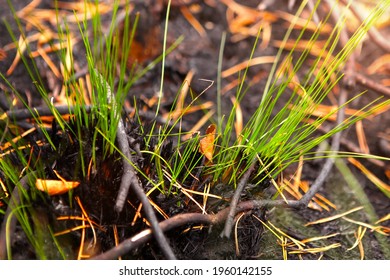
<point x="199" y="53"/>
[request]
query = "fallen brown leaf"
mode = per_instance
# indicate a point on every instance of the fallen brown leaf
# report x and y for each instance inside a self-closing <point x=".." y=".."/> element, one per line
<point x="207" y="143"/>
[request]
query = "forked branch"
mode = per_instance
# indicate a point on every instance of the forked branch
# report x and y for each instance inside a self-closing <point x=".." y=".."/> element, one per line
<point x="130" y="179"/>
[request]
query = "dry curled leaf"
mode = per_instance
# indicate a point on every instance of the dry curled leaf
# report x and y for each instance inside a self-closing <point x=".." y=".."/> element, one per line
<point x="207" y="143"/>
<point x="55" y="187"/>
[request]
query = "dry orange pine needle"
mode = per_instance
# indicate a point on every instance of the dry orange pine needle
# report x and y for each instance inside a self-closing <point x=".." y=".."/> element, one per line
<point x="55" y="187"/>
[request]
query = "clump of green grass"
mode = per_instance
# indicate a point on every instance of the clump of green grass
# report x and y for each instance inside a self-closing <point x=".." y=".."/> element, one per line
<point x="273" y="140"/>
<point x="278" y="139"/>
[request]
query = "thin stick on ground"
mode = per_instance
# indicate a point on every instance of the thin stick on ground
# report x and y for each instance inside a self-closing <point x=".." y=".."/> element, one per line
<point x="190" y="218"/>
<point x="327" y="168"/>
<point x="130" y="179"/>
<point x="169" y="224"/>
<point x="365" y="81"/>
<point x="233" y="205"/>
<point x="22" y="114"/>
<point x="348" y="82"/>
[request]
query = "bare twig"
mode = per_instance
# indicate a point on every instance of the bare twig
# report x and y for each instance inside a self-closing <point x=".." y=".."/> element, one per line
<point x="349" y="145"/>
<point x="177" y="221"/>
<point x="129" y="176"/>
<point x="22" y="114"/>
<point x="349" y="82"/>
<point x="330" y="161"/>
<point x="367" y="82"/>
<point x="130" y="179"/>
<point x="146" y="235"/>
<point x="233" y="204"/>
<point x="326" y="169"/>
<point x="191" y="218"/>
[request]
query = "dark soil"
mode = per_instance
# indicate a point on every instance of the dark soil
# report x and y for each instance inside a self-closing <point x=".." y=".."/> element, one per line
<point x="199" y="54"/>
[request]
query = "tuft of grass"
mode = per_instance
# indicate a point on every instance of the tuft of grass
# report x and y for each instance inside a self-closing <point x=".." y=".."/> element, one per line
<point x="274" y="137"/>
<point x="279" y="137"/>
<point x="107" y="52"/>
